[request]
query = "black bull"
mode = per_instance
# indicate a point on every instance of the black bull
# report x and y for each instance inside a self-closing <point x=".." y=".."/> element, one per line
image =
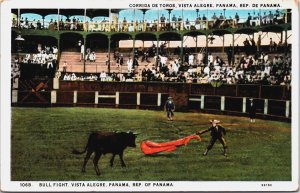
<point x="107" y="142"/>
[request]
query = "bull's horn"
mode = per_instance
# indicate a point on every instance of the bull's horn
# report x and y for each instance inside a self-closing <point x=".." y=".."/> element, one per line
<point x="136" y="133"/>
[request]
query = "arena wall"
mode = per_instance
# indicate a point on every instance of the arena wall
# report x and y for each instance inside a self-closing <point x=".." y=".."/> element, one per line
<point x="272" y="102"/>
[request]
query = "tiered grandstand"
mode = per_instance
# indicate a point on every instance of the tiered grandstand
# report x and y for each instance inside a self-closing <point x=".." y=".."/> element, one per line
<point x="212" y="52"/>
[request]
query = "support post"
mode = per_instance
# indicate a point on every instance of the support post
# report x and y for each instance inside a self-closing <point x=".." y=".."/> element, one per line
<point x="182" y="22"/>
<point x="196" y="43"/>
<point x="157" y="21"/>
<point x="75" y="97"/>
<point x="244" y="104"/>
<point x="266" y="107"/>
<point x="157" y="51"/>
<point x="18" y="19"/>
<point x="287" y="108"/>
<point x="206" y="49"/>
<point x="222" y="103"/>
<point x="181" y="50"/>
<point x="43" y="17"/>
<point x="84" y="43"/>
<point x="232" y="48"/>
<point x="285" y="42"/>
<point x="117" y="98"/>
<point x="96" y="97"/>
<point x="14" y="96"/>
<point x="138" y="99"/>
<point x="55" y="83"/>
<point x="58" y="51"/>
<point x="158" y="99"/>
<point x="223" y="49"/>
<point x="109" y="15"/>
<point x="108" y="65"/>
<point x="58" y="20"/>
<point x="133" y="47"/>
<point x="202" y="102"/>
<point x="53" y="96"/>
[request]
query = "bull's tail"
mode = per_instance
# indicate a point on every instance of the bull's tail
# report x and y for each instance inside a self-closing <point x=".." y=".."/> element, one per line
<point x="86" y="147"/>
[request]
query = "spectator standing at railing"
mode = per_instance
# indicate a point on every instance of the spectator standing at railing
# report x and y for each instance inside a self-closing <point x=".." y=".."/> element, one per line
<point x="61" y="24"/>
<point x="253" y="45"/>
<point x="270" y="17"/>
<point x="65" y="66"/>
<point x="221" y="17"/>
<point x="264" y="18"/>
<point x="252" y="110"/>
<point x="214" y="17"/>
<point x="55" y="24"/>
<point x="38" y="25"/>
<point x="229" y="54"/>
<point x="26" y="22"/>
<point x="258" y="43"/>
<point x="163" y="22"/>
<point x="103" y="76"/>
<point x="191" y="59"/>
<point x="21" y="22"/>
<point x="14" y="22"/>
<point x="237" y="18"/>
<point x="179" y="22"/>
<point x="248" y="20"/>
<point x="81" y="52"/>
<point x="247" y="46"/>
<point x="187" y="24"/>
<point x="174" y="20"/>
<point x="129" y="64"/>
<point x="124" y="25"/>
<point x="54" y="50"/>
<point x="271" y="45"/>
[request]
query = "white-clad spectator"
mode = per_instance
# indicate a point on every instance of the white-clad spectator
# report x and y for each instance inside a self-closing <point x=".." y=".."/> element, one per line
<point x="57" y="74"/>
<point x="206" y="70"/>
<point x="191" y="59"/>
<point x="92" y="57"/>
<point x="131" y="28"/>
<point x="129" y="64"/>
<point x="267" y="70"/>
<point x="49" y="63"/>
<point x="229" y="72"/>
<point x="103" y="76"/>
<point x="175" y="67"/>
<point x="73" y="77"/>
<point x="44" y="56"/>
<point x="163" y="60"/>
<point x="210" y="58"/>
<point x="39" y="48"/>
<point x="81" y="52"/>
<point x="66" y="77"/>
<point x="54" y="49"/>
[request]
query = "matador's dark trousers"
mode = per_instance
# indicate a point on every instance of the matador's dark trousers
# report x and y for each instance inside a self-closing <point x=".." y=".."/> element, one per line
<point x="214" y="139"/>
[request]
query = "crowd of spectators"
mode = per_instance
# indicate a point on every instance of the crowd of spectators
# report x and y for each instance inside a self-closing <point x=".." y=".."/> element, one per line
<point x="15" y="70"/>
<point x="161" y="24"/>
<point x="46" y="57"/>
<point x="259" y="68"/>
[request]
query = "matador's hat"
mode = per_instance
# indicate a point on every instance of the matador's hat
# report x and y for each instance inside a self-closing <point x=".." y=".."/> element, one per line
<point x="214" y="121"/>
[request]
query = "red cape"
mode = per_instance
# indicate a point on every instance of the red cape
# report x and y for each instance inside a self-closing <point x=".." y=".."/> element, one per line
<point x="149" y="147"/>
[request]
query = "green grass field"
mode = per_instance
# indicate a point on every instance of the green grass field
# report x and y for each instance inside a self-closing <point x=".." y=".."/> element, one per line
<point x="43" y="138"/>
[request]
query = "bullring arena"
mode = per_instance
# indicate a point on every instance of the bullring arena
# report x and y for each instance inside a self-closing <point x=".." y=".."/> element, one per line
<point x="80" y="70"/>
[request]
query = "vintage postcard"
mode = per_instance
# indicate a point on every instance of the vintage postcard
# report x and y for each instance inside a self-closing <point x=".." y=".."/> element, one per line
<point x="157" y="95"/>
